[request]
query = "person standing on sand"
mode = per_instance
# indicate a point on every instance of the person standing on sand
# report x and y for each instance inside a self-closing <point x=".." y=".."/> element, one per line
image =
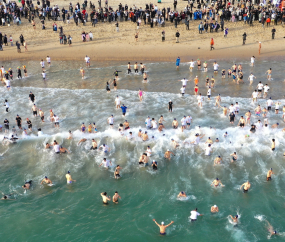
<point x="177" y="35"/>
<point x="244" y="38"/>
<point x="117" y="26"/>
<point x="273" y="31"/>
<point x="259" y="48"/>
<point x="162" y="227"/>
<point x="212" y="44"/>
<point x="136" y="36"/>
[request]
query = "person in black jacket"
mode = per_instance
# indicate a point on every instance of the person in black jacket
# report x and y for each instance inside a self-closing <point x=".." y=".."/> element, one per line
<point x="273" y="31"/>
<point x="177" y="35"/>
<point x="244" y="38"/>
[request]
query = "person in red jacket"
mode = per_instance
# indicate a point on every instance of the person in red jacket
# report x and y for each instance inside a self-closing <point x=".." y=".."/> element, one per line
<point x="268" y="20"/>
<point x="212" y="43"/>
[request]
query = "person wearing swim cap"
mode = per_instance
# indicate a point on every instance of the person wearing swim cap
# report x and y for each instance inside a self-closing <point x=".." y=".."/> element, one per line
<point x="182" y="194"/>
<point x="46" y="180"/>
<point x="214" y="209"/>
<point x="69" y="178"/>
<point x="162" y="227"/>
<point x="270" y="229"/>
<point x="167" y="154"/>
<point x="269" y="173"/>
<point x="117" y="172"/>
<point x="154" y="165"/>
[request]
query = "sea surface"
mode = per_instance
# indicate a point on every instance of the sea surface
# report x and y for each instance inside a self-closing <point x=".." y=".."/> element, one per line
<point x="75" y="212"/>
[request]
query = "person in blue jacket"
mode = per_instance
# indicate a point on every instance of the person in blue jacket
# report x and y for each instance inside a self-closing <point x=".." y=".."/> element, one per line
<point x="124" y="109"/>
<point x="177" y="63"/>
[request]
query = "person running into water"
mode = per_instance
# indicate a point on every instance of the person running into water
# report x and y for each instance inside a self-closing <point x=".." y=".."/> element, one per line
<point x="162" y="227"/>
<point x="140" y="94"/>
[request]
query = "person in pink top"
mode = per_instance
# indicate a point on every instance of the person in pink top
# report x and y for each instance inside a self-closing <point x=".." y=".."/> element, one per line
<point x="140" y="94"/>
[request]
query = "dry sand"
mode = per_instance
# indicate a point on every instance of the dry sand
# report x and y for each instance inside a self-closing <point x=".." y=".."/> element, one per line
<point x="109" y="45"/>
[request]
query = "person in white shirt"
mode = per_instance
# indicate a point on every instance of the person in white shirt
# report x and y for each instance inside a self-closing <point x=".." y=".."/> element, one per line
<point x="266" y="89"/>
<point x="48" y="60"/>
<point x="250" y="78"/>
<point x="194" y="215"/>
<point x="148" y="123"/>
<point x="106" y="163"/>
<point x="153" y="124"/>
<point x="90" y="36"/>
<point x="192" y="64"/>
<point x="188" y="121"/>
<point x="182" y="90"/>
<point x="197" y="139"/>
<point x="130" y="136"/>
<point x="277" y="107"/>
<point x="252" y="60"/>
<point x="87" y="60"/>
<point x="254" y="96"/>
<point x="209" y="93"/>
<point x="8" y="84"/>
<point x="232" y="108"/>
<point x="105" y="148"/>
<point x="184" y="82"/>
<point x="259" y="88"/>
<point x="118" y="102"/>
<point x="148" y="151"/>
<point x="56" y="120"/>
<point x="216" y="67"/>
<point x="110" y="121"/>
<point x="208" y="150"/>
<point x="259" y="125"/>
<point x="44" y="75"/>
<point x="183" y="123"/>
<point x="56" y="148"/>
<point x="40" y="132"/>
<point x="200" y="99"/>
<point x="42" y="63"/>
<point x="269" y="103"/>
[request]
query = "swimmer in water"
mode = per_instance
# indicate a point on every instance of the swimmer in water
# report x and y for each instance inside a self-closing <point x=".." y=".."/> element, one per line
<point x="234" y="219"/>
<point x="217" y="182"/>
<point x="214" y="209"/>
<point x="270" y="229"/>
<point x="241" y="122"/>
<point x="105" y="198"/>
<point x="117" y="172"/>
<point x="269" y="173"/>
<point x="69" y="135"/>
<point x="81" y="141"/>
<point x="162" y="227"/>
<point x="82" y="72"/>
<point x="63" y="150"/>
<point x="167" y="154"/>
<point x="145" y="136"/>
<point x="218" y="160"/>
<point x="246" y="186"/>
<point x="116" y="197"/>
<point x="234" y="156"/>
<point x="6" y="197"/>
<point x="182" y="194"/>
<point x="27" y="185"/>
<point x="273" y="144"/>
<point x="69" y="179"/>
<point x="46" y="180"/>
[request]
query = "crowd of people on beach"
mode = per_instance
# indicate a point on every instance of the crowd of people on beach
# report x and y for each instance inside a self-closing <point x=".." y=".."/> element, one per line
<point x="234" y="73"/>
<point x="208" y="16"/>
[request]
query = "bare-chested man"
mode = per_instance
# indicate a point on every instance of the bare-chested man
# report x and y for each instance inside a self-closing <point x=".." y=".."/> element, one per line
<point x="46" y="180"/>
<point x="218" y="100"/>
<point x="214" y="209"/>
<point x="241" y="122"/>
<point x="42" y="115"/>
<point x="105" y="198"/>
<point x="218" y="160"/>
<point x="162" y="227"/>
<point x="217" y="182"/>
<point x="35" y="110"/>
<point x="167" y="154"/>
<point x="116" y="197"/>
<point x="245" y="186"/>
<point x="269" y="173"/>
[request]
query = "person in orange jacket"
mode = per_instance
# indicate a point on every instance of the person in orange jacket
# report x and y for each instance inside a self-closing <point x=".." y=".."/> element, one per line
<point x="212" y="44"/>
<point x="268" y="20"/>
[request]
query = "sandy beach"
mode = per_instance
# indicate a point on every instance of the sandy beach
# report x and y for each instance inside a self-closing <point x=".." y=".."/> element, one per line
<point x="121" y="46"/>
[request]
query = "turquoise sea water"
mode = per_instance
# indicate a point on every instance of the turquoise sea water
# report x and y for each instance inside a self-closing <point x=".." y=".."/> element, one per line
<point x="76" y="213"/>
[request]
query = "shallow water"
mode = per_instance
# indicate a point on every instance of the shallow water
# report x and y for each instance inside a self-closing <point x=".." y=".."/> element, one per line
<point x="76" y="213"/>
